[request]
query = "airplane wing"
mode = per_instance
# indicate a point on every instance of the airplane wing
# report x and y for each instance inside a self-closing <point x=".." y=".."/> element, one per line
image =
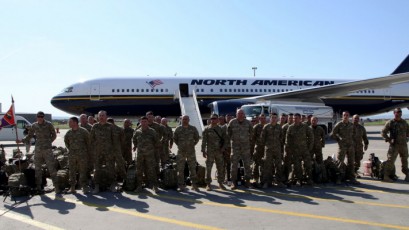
<point x="341" y="89"/>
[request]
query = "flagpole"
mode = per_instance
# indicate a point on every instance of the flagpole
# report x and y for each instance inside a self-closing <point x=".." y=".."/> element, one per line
<point x="15" y="127"/>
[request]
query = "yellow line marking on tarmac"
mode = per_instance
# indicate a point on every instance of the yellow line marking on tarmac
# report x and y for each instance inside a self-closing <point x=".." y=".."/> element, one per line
<point x="288" y="213"/>
<point x="137" y="214"/>
<point x="323" y="199"/>
<point x="30" y="221"/>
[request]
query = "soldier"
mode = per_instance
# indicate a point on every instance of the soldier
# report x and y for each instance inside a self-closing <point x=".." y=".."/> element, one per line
<point x="319" y="141"/>
<point x="286" y="155"/>
<point x="283" y="119"/>
<point x="102" y="144"/>
<point x="160" y="129"/>
<point x="186" y="137"/>
<point x="84" y="123"/>
<point x="167" y="141"/>
<point x="271" y="139"/>
<point x="343" y="134"/>
<point x="359" y="147"/>
<point x="299" y="142"/>
<point x="119" y="140"/>
<point x="240" y="131"/>
<point x="227" y="151"/>
<point x="45" y="135"/>
<point x="77" y="142"/>
<point x="398" y="130"/>
<point x="214" y="142"/>
<point x="127" y="144"/>
<point x="158" y="119"/>
<point x="91" y="120"/>
<point x="258" y="154"/>
<point x="145" y="141"/>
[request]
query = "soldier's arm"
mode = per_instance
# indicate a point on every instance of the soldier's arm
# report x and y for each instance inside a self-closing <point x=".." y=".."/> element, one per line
<point x="196" y="135"/>
<point x="134" y="140"/>
<point x="322" y="138"/>
<point x="29" y="135"/>
<point x="87" y="141"/>
<point x="385" y="131"/>
<point x="310" y="136"/>
<point x="263" y="136"/>
<point x="334" y="134"/>
<point x="204" y="140"/>
<point x="52" y="133"/>
<point x="66" y="140"/>
<point x="171" y="138"/>
<point x="365" y="138"/>
<point x="176" y="136"/>
<point x="226" y="140"/>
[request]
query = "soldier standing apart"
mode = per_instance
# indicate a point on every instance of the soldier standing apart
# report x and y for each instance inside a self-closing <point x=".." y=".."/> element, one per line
<point x="299" y="142"/>
<point x="145" y="141"/>
<point x="398" y="130"/>
<point x="119" y="139"/>
<point x="213" y="144"/>
<point x="240" y="132"/>
<point x="45" y="135"/>
<point x="102" y="145"/>
<point x="359" y="147"/>
<point x="271" y="139"/>
<point x="186" y="137"/>
<point x="259" y="148"/>
<point x="343" y="134"/>
<point x="319" y="141"/>
<point x="167" y="141"/>
<point x="77" y="142"/>
<point x="127" y="144"/>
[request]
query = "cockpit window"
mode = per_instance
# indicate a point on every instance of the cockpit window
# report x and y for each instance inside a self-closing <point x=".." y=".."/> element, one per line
<point x="68" y="90"/>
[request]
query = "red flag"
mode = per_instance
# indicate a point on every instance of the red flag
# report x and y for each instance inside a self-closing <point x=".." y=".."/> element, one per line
<point x="9" y="117"/>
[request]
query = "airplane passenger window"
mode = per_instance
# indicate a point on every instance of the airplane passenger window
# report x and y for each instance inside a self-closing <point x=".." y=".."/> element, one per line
<point x="133" y="90"/>
<point x="137" y="90"/>
<point x="117" y="90"/>
<point x="197" y="90"/>
<point x="166" y="90"/>
<point x="230" y="90"/>
<point x="225" y="90"/>
<point x="211" y="90"/>
<point x="221" y="90"/>
<point x="123" y="90"/>
<point x="161" y="90"/>
<point x="251" y="90"/>
<point x="142" y="90"/>
<point x="152" y="90"/>
<point x="127" y="90"/>
<point x="113" y="90"/>
<point x="157" y="90"/>
<point x="234" y="90"/>
<point x="202" y="90"/>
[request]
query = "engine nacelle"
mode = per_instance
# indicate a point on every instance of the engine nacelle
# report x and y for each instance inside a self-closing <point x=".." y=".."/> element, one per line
<point x="228" y="106"/>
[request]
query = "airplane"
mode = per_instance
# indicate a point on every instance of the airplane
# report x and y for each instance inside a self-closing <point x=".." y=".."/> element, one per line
<point x="133" y="96"/>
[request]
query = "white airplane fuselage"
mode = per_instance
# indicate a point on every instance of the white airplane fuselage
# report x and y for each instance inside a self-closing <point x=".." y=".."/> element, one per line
<point x="134" y="96"/>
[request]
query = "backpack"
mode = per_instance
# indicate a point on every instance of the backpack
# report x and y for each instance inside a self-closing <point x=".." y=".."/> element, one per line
<point x="18" y="185"/>
<point x="62" y="179"/>
<point x="130" y="180"/>
<point x="169" y="178"/>
<point x="389" y="168"/>
<point x="319" y="173"/>
<point x="201" y="175"/>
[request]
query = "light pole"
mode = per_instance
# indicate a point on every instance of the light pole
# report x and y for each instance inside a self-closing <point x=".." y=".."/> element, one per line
<point x="254" y="71"/>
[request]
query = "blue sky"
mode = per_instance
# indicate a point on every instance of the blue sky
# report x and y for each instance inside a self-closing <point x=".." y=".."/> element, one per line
<point x="48" y="45"/>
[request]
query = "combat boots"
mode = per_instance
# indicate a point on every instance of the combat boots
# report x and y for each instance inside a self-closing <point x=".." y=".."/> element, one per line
<point x="181" y="188"/>
<point x="208" y="188"/>
<point x="72" y="189"/>
<point x="96" y="189"/>
<point x="195" y="188"/>
<point x="155" y="189"/>
<point x="221" y="186"/>
<point x="354" y="181"/>
<point x="386" y="178"/>
<point x="233" y="185"/>
<point x="265" y="185"/>
<point x="113" y="188"/>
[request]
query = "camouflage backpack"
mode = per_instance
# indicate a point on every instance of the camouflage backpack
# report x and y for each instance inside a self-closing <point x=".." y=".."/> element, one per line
<point x="319" y="173"/>
<point x="201" y="175"/>
<point x="169" y="178"/>
<point x="130" y="180"/>
<point x="62" y="179"/>
<point x="387" y="167"/>
<point x="18" y="185"/>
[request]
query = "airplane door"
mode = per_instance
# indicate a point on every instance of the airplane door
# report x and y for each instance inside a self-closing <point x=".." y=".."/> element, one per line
<point x="386" y="94"/>
<point x="94" y="93"/>
<point x="184" y="90"/>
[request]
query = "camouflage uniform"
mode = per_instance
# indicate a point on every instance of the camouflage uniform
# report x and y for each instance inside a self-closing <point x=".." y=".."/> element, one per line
<point x="211" y="145"/>
<point x="319" y="143"/>
<point x="146" y="142"/>
<point x="240" y="135"/>
<point x="398" y="131"/>
<point x="186" y="138"/>
<point x="45" y="135"/>
<point x="343" y="134"/>
<point x="119" y="137"/>
<point x="159" y="129"/>
<point x="271" y="139"/>
<point x="259" y="151"/>
<point x="88" y="127"/>
<point x="285" y="152"/>
<point x="77" y="142"/>
<point x="167" y="141"/>
<point x="102" y="145"/>
<point x="299" y="142"/>
<point x="226" y="155"/>
<point x="359" y="137"/>
<point x="127" y="144"/>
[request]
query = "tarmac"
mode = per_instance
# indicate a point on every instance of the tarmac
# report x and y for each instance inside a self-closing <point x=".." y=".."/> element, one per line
<point x="370" y="205"/>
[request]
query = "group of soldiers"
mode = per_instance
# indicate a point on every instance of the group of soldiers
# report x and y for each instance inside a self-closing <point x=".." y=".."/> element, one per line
<point x="275" y="152"/>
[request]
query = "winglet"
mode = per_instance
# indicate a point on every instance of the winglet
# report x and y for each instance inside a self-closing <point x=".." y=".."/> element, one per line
<point x="403" y="67"/>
